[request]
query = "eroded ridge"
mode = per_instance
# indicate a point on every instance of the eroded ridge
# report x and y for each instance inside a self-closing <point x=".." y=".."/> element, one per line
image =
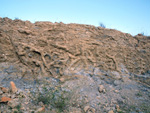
<point x="52" y="48"/>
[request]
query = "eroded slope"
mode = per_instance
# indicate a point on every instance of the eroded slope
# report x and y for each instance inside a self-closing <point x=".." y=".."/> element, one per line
<point x="55" y="49"/>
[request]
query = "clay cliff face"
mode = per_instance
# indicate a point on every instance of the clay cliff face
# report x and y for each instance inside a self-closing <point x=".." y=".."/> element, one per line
<point x="56" y="49"/>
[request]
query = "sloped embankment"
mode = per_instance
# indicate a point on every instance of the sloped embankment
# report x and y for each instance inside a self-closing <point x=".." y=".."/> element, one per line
<point x="57" y="49"/>
<point x="72" y="68"/>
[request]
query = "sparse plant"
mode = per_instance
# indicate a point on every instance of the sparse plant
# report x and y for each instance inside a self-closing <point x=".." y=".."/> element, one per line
<point x="120" y="112"/>
<point x="56" y="98"/>
<point x="145" y="107"/>
<point x="102" y="25"/>
<point x="139" y="94"/>
<point x="16" y="18"/>
<point x="123" y="97"/>
<point x="18" y="107"/>
<point x="99" y="103"/>
<point x="142" y="33"/>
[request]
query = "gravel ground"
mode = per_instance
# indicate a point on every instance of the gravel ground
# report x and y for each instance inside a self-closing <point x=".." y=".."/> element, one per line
<point x="101" y="92"/>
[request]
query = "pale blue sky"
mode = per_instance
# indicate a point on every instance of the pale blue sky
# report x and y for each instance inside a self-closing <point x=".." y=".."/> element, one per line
<point x="130" y="16"/>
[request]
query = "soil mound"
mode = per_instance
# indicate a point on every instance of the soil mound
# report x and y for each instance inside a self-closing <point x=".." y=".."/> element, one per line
<point x="57" y="48"/>
<point x="72" y="68"/>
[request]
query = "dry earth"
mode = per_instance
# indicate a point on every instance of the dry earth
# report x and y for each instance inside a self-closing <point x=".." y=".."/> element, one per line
<point x="72" y="68"/>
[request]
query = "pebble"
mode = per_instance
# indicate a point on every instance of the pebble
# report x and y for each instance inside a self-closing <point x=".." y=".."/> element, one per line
<point x="13" y="87"/>
<point x="117" y="82"/>
<point x="62" y="79"/>
<point x="1" y="92"/>
<point x="13" y="103"/>
<point x="5" y="99"/>
<point x="42" y="109"/>
<point x="4" y="90"/>
<point x="75" y="110"/>
<point x="101" y="89"/>
<point x="41" y="104"/>
<point x="118" y="108"/>
<point x="116" y="75"/>
<point x="88" y="109"/>
<point x="111" y="111"/>
<point x="13" y="96"/>
<point x="14" y="110"/>
<point x="116" y="91"/>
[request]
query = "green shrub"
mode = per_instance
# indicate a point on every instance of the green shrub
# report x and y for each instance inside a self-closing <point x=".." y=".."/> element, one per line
<point x="55" y="97"/>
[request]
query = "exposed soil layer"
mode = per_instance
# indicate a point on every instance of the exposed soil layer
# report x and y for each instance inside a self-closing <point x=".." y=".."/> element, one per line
<point x="53" y="49"/>
<point x="72" y="68"/>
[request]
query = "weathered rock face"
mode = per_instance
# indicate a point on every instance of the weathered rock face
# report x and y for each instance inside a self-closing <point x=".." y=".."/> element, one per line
<point x="101" y="70"/>
<point x="51" y="49"/>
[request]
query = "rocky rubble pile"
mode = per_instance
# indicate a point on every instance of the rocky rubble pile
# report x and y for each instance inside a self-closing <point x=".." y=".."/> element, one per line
<point x="102" y="92"/>
<point x="15" y="101"/>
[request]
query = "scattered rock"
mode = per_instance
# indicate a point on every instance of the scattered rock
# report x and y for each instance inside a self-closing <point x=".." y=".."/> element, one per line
<point x="115" y="75"/>
<point x="13" y="96"/>
<point x="75" y="110"/>
<point x="117" y="82"/>
<point x="118" y="108"/>
<point x="62" y="79"/>
<point x="101" y="89"/>
<point x="1" y="92"/>
<point x="13" y="103"/>
<point x="97" y="71"/>
<point x="140" y="34"/>
<point x="5" y="99"/>
<point x="5" y="90"/>
<point x="13" y="87"/>
<point x="89" y="109"/>
<point x="148" y="71"/>
<point x="86" y="108"/>
<point x="42" y="109"/>
<point x="24" y="31"/>
<point x="41" y="104"/>
<point x="14" y="110"/>
<point x="111" y="111"/>
<point x="125" y="78"/>
<point x="116" y="91"/>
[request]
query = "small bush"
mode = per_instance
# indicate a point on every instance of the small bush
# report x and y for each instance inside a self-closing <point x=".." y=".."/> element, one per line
<point x="139" y="94"/>
<point x="54" y="97"/>
<point x="18" y="107"/>
<point x="16" y="18"/>
<point x="102" y="25"/>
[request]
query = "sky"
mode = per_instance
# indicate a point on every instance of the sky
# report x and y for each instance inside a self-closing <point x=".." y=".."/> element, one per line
<point x="129" y="16"/>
